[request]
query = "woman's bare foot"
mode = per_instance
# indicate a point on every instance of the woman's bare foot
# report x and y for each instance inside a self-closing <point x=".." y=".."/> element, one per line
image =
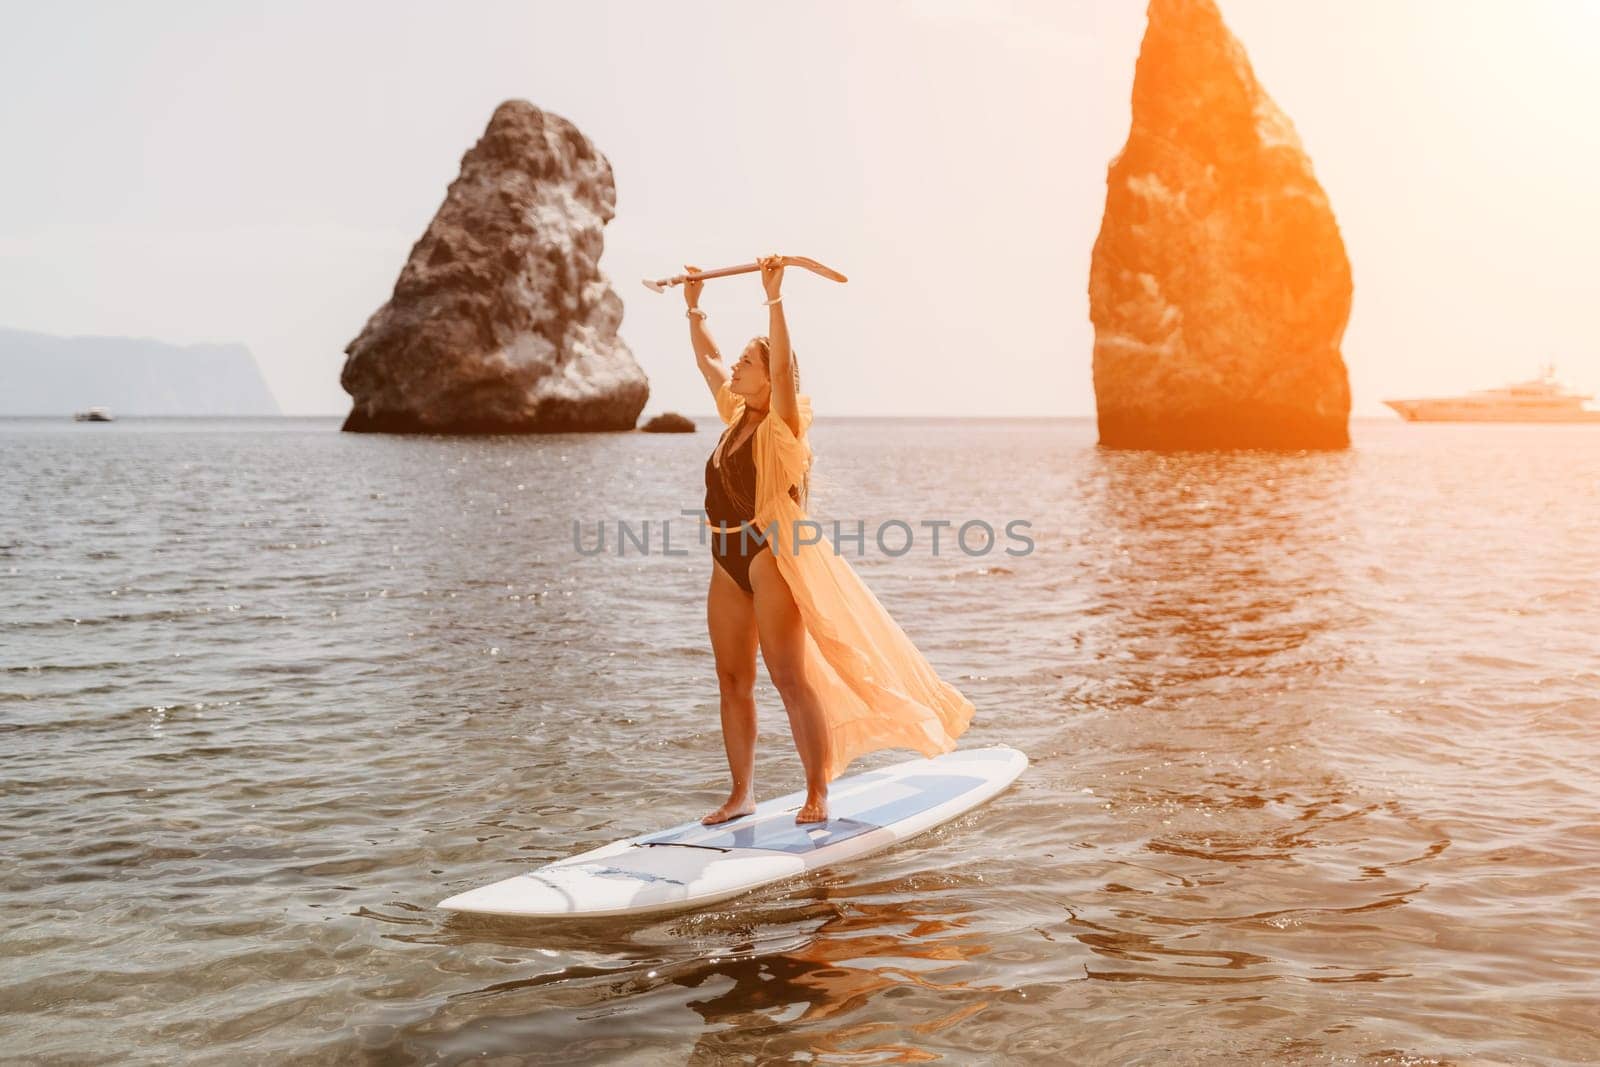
<point x="732" y="809"/>
<point x="815" y="809"/>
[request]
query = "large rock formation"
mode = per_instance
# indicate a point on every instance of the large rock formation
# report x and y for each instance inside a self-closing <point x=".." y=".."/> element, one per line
<point x="1219" y="288"/>
<point x="501" y="321"/>
<point x="41" y="374"/>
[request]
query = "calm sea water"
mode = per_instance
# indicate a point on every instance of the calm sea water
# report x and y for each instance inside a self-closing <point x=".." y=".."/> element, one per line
<point x="1315" y="743"/>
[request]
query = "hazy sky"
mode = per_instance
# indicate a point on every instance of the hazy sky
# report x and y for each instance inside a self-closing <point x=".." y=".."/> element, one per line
<point x="258" y="173"/>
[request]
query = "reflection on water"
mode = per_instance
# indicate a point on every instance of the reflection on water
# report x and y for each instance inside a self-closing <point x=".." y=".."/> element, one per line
<point x="1217" y="566"/>
<point x="788" y="971"/>
<point x="1311" y="739"/>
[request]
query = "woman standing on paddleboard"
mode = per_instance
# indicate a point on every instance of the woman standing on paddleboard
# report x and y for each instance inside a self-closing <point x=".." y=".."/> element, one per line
<point x="850" y="680"/>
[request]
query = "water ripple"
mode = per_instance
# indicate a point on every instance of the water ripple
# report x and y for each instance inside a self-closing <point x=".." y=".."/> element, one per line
<point x="1312" y="741"/>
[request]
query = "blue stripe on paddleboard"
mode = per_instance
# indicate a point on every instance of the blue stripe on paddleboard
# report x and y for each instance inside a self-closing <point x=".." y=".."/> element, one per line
<point x="852" y="815"/>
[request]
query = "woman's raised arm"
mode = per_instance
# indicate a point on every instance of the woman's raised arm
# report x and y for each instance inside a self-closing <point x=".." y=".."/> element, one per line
<point x="706" y="356"/>
<point x="784" y="401"/>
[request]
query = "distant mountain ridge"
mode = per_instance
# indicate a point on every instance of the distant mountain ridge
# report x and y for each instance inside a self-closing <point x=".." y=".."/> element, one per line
<point x="42" y="374"/>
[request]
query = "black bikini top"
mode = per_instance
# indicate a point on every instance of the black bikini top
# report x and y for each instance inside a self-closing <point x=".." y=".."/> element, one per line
<point x="731" y="488"/>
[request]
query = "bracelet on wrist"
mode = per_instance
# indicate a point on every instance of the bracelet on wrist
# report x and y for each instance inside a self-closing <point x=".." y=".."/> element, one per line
<point x="694" y="313"/>
<point x="774" y="300"/>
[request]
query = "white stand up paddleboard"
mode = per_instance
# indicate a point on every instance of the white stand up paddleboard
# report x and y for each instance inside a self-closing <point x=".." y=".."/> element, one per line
<point x="692" y="864"/>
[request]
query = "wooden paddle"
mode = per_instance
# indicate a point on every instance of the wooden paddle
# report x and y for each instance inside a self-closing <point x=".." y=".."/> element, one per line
<point x="811" y="265"/>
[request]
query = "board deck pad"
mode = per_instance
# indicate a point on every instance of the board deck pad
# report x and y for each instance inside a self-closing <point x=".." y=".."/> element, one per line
<point x="693" y="864"/>
<point x="858" y="811"/>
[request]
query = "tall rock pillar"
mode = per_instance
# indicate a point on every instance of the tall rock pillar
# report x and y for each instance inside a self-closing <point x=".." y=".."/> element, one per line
<point x="1219" y="287"/>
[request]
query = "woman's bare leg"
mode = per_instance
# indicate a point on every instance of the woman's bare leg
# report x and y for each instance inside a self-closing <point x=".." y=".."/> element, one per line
<point x="782" y="633"/>
<point x="731" y="618"/>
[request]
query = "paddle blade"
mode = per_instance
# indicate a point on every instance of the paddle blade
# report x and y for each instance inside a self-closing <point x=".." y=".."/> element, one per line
<point x="814" y="267"/>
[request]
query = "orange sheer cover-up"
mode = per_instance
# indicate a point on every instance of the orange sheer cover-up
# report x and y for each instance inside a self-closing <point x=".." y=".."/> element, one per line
<point x="877" y="691"/>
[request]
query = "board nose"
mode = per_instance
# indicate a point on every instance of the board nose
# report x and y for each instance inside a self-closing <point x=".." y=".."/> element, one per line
<point x="521" y="895"/>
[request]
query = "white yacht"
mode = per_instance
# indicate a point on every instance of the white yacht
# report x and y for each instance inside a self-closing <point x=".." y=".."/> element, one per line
<point x="1538" y="399"/>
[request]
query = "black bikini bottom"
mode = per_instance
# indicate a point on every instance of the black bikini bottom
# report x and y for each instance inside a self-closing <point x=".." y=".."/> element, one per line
<point x="740" y="550"/>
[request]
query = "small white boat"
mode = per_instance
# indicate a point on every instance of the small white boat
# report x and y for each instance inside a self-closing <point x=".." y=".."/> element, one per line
<point x="1536" y="400"/>
<point x="94" y="414"/>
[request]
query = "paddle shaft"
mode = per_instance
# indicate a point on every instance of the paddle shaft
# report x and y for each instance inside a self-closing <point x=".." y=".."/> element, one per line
<point x="661" y="285"/>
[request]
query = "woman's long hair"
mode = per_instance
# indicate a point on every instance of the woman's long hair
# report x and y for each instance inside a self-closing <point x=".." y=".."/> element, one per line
<point x="794" y="365"/>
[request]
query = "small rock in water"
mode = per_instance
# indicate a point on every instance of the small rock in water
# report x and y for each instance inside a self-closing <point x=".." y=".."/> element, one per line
<point x="669" y="422"/>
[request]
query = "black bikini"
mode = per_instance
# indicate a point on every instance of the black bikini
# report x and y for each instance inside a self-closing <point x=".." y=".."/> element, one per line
<point x="731" y="502"/>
